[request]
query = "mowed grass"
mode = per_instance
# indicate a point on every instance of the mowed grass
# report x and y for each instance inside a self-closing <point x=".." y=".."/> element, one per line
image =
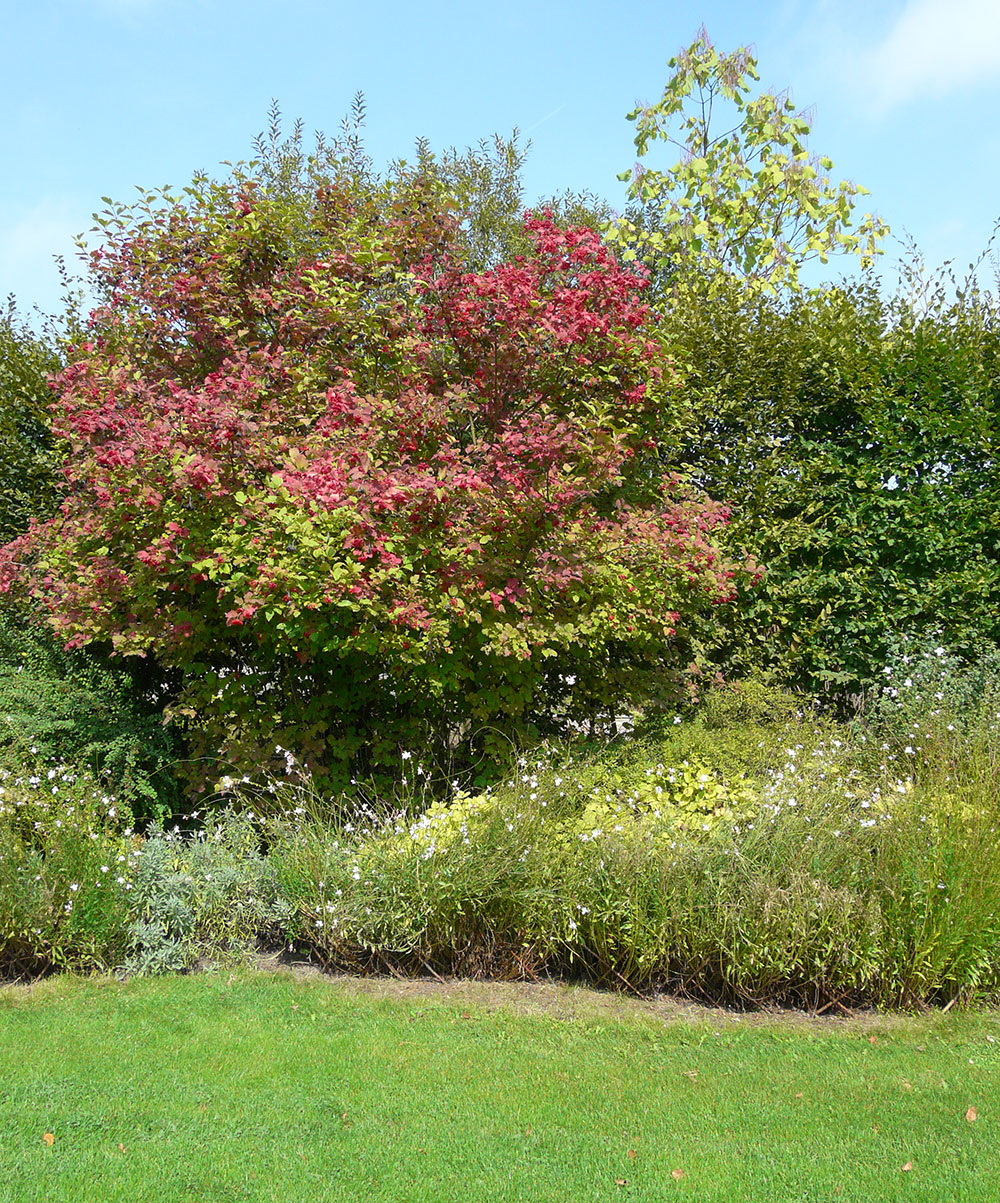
<point x="251" y="1086"/>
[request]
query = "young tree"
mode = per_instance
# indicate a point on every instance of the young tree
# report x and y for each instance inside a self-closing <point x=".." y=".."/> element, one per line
<point x="748" y="201"/>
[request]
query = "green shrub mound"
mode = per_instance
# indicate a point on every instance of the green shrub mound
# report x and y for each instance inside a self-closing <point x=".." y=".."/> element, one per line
<point x="65" y="854"/>
<point x="63" y="707"/>
<point x="209" y="894"/>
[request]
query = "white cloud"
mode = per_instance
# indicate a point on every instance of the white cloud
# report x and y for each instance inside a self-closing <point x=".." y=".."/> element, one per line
<point x="936" y="47"/>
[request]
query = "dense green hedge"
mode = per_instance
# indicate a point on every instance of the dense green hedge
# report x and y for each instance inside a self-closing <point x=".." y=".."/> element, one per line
<point x="855" y="438"/>
<point x="29" y="461"/>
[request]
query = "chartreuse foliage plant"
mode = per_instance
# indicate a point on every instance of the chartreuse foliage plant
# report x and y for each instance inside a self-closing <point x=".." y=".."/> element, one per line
<point x="747" y="201"/>
<point x="359" y="498"/>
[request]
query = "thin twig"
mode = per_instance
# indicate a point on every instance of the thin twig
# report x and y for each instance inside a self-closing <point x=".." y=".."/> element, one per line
<point x="628" y="985"/>
<point x="834" y="1002"/>
<point x="436" y="976"/>
<point x="392" y="968"/>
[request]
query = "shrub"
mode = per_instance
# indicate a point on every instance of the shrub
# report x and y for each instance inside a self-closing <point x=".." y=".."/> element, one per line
<point x="205" y="894"/>
<point x="363" y="500"/>
<point x="852" y="435"/>
<point x="65" y="707"/>
<point x="740" y="728"/>
<point x="64" y="862"/>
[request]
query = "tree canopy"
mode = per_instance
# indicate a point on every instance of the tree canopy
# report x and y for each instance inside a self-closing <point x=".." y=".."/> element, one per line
<point x="749" y="200"/>
<point x="363" y="498"/>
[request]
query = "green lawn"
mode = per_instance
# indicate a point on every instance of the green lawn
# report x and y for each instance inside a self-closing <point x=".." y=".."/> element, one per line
<point x="255" y="1086"/>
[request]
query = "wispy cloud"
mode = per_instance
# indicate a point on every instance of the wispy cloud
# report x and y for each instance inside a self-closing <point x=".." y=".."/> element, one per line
<point x="547" y="117"/>
<point x="936" y="47"/>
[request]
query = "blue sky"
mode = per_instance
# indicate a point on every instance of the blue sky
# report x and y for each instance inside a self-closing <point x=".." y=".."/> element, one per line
<point x="99" y="96"/>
